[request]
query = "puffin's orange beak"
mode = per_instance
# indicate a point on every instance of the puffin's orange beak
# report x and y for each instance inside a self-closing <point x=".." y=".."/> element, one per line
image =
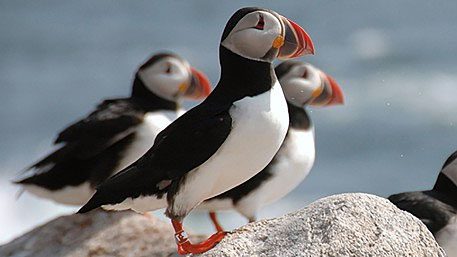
<point x="337" y="97"/>
<point x="200" y="87"/>
<point x="296" y="41"/>
<point x="331" y="93"/>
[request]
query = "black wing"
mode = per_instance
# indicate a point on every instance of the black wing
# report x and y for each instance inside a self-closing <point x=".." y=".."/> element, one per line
<point x="432" y="212"/>
<point x="110" y="123"/>
<point x="111" y="118"/>
<point x="182" y="146"/>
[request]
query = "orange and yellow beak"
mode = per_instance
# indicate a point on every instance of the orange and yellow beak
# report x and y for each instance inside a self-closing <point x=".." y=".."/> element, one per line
<point x="329" y="94"/>
<point x="337" y="97"/>
<point x="295" y="43"/>
<point x="199" y="88"/>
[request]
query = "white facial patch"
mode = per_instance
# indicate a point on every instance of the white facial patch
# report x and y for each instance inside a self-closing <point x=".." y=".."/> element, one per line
<point x="250" y="42"/>
<point x="300" y="83"/>
<point x="451" y="171"/>
<point x="165" y="77"/>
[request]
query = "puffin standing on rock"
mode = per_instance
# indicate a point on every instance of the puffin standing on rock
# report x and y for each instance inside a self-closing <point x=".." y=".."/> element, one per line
<point x="227" y="139"/>
<point x="303" y="85"/>
<point x="117" y="133"/>
<point x="436" y="208"/>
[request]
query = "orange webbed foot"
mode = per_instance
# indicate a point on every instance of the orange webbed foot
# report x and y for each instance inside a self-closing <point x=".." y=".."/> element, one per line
<point x="186" y="247"/>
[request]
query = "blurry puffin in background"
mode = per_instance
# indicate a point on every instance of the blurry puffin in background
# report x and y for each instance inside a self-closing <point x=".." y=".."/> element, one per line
<point x="303" y="85"/>
<point x="227" y="139"/>
<point x="436" y="208"/>
<point x="117" y="133"/>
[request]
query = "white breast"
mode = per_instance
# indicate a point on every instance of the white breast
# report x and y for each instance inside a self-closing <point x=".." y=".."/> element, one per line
<point x="259" y="125"/>
<point x="145" y="134"/>
<point x="447" y="238"/>
<point x="292" y="164"/>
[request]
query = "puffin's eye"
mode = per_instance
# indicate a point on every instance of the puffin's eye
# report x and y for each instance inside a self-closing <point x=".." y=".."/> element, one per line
<point x="168" y="70"/>
<point x="305" y="74"/>
<point x="260" y="23"/>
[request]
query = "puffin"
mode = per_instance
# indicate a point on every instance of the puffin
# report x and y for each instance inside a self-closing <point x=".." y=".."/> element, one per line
<point x="436" y="208"/>
<point x="116" y="133"/>
<point x="303" y="85"/>
<point x="222" y="142"/>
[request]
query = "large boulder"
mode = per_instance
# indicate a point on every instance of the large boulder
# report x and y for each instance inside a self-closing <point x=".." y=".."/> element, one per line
<point x="341" y="225"/>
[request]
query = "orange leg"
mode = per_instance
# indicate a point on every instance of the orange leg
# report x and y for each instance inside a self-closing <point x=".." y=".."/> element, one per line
<point x="216" y="224"/>
<point x="186" y="247"/>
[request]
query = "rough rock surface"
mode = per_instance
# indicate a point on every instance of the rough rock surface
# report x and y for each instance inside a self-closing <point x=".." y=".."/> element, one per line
<point x="96" y="234"/>
<point x="341" y="225"/>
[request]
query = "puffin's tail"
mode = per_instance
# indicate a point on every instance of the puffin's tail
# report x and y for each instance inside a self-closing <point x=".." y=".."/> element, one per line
<point x="113" y="190"/>
<point x="94" y="202"/>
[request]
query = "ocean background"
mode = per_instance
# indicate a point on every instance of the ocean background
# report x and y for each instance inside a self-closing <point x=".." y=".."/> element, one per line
<point x="395" y="60"/>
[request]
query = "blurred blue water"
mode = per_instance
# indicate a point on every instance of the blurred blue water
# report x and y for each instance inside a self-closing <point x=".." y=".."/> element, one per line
<point x="396" y="62"/>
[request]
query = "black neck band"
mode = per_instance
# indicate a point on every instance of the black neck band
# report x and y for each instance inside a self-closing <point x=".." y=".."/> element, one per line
<point x="148" y="100"/>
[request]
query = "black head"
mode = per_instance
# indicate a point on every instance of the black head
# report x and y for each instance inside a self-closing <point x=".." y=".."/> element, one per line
<point x="450" y="159"/>
<point x="263" y="35"/>
<point x="446" y="183"/>
<point x="450" y="168"/>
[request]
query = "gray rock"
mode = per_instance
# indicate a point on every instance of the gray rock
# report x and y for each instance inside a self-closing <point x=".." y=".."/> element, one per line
<point x="341" y="225"/>
<point x="96" y="234"/>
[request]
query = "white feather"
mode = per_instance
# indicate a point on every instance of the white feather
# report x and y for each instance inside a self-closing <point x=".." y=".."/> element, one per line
<point x="146" y="132"/>
<point x="71" y="195"/>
